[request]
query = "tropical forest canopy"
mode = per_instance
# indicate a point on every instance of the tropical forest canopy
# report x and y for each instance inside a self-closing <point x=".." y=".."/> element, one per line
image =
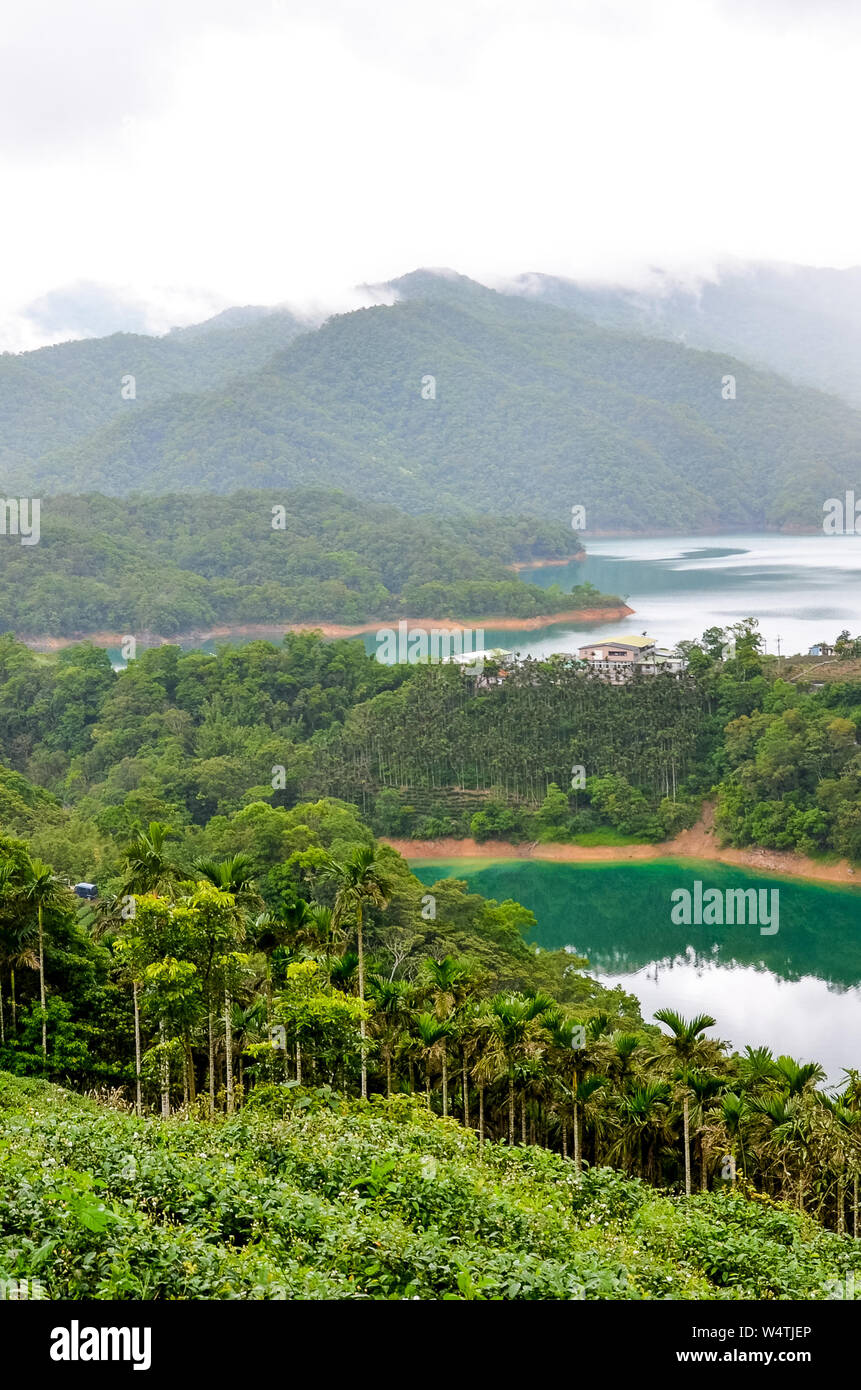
<point x="168" y="564"/>
<point x="544" y="751"/>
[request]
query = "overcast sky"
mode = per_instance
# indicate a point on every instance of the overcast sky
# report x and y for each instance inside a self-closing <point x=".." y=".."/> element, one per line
<point x="160" y="161"/>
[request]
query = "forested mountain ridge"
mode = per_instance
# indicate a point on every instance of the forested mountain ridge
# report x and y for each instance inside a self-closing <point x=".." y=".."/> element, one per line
<point x="54" y="396"/>
<point x="801" y="321"/>
<point x="531" y="408"/>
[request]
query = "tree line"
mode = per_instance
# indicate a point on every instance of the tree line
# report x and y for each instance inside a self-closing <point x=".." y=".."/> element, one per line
<point x="336" y="970"/>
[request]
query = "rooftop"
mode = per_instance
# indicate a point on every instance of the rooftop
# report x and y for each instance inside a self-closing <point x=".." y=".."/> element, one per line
<point x="622" y="642"/>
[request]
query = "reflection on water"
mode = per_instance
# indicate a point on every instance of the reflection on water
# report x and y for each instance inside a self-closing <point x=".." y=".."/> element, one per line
<point x="802" y="588"/>
<point x="809" y="1019"/>
<point x="796" y="992"/>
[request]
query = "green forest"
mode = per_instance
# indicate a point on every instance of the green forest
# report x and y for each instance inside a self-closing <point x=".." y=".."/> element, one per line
<point x="170" y="564"/>
<point x="533" y="409"/>
<point x="550" y="752"/>
<point x="263" y="997"/>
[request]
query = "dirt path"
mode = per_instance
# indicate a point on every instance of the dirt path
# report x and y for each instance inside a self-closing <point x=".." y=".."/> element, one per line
<point x="700" y="842"/>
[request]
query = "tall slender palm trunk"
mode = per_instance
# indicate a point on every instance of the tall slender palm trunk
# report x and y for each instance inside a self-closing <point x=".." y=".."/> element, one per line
<point x="42" y="987"/>
<point x="511" y="1110"/>
<point x="138" y="1101"/>
<point x="228" y="1051"/>
<point x="444" y="1081"/>
<point x="480" y="1116"/>
<point x="687" y="1129"/>
<point x="165" y="1076"/>
<point x="191" y="1080"/>
<point x="211" y="1066"/>
<point x="363" y="1032"/>
<point x="465" y="1092"/>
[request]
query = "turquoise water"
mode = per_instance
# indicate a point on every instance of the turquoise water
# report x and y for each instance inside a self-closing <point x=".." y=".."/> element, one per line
<point x="797" y="991"/>
<point x="801" y="588"/>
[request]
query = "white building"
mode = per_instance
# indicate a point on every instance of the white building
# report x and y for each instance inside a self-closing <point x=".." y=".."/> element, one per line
<point x="618" y="657"/>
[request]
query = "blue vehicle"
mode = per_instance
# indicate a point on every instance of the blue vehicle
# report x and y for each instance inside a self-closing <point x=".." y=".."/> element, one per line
<point x="86" y="890"/>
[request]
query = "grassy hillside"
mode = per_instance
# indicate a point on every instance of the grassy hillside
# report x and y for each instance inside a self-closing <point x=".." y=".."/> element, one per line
<point x="311" y="1196"/>
<point x="536" y="409"/>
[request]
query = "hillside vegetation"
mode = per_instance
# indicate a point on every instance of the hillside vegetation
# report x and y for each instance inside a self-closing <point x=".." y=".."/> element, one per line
<point x="167" y="564"/>
<point x="801" y="321"/>
<point x="311" y="1196"/>
<point x="56" y="395"/>
<point x="535" y="409"/>
<point x="247" y="942"/>
<point x="185" y="737"/>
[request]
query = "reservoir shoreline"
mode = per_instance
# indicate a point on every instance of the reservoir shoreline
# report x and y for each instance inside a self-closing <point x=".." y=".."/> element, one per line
<point x="696" y="844"/>
<point x="268" y="631"/>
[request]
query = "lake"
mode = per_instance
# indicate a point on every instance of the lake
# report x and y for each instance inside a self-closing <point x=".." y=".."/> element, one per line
<point x="801" y="588"/>
<point x="797" y="992"/>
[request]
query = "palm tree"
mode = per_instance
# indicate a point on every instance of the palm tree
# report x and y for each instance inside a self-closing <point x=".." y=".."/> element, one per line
<point x="342" y="970"/>
<point x="447" y="979"/>
<point x="432" y="1034"/>
<point x="564" y="1034"/>
<point x="623" y="1054"/>
<point x="391" y="1003"/>
<point x="514" y="1023"/>
<point x="786" y="1136"/>
<point x="686" y="1046"/>
<point x="851" y="1101"/>
<point x="16" y="953"/>
<point x="100" y="918"/>
<point x="734" y="1115"/>
<point x="362" y="879"/>
<point x="148" y="867"/>
<point x="234" y="877"/>
<point x="42" y="887"/>
<point x="643" y="1114"/>
<point x="706" y="1089"/>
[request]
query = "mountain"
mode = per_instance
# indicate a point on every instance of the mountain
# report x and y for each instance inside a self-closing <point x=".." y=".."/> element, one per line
<point x="801" y="321"/>
<point x="56" y="395"/>
<point x="460" y="398"/>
